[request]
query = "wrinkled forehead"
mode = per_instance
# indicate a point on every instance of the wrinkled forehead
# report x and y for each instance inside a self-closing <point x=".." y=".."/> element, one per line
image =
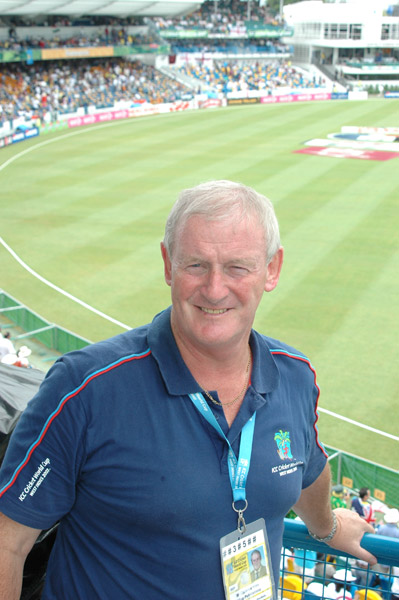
<point x="235" y="218"/>
<point x="232" y="238"/>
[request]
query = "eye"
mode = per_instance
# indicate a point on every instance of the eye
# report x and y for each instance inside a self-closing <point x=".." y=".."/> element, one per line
<point x="238" y="270"/>
<point x="196" y="268"/>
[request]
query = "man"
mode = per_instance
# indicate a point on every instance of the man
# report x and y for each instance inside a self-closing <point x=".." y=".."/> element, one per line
<point x="6" y="345"/>
<point x="390" y="526"/>
<point x="339" y="497"/>
<point x="259" y="570"/>
<point x="362" y="505"/>
<point x="132" y="442"/>
<point x="340" y="588"/>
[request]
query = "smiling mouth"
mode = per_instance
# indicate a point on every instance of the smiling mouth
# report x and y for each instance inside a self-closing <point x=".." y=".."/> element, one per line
<point x="214" y="311"/>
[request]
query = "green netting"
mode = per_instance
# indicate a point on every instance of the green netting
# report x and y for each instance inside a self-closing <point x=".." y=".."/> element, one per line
<point x="46" y="337"/>
<point x="6" y="301"/>
<point x="25" y="319"/>
<point x="52" y="336"/>
<point x="66" y="341"/>
<point x="355" y="473"/>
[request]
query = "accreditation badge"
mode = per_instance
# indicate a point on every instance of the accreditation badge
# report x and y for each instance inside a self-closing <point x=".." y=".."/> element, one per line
<point x="246" y="564"/>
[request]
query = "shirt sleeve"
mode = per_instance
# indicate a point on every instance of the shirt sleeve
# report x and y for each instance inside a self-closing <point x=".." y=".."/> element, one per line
<point x="40" y="469"/>
<point x="316" y="453"/>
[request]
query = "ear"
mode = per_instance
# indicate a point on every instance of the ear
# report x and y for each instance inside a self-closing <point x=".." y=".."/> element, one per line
<point x="167" y="264"/>
<point x="274" y="270"/>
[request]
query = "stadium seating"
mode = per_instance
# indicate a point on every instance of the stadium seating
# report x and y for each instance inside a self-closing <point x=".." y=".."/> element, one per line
<point x="291" y="587"/>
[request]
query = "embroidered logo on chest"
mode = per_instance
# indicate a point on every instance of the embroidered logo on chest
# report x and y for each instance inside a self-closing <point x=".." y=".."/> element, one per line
<point x="283" y="443"/>
<point x="282" y="439"/>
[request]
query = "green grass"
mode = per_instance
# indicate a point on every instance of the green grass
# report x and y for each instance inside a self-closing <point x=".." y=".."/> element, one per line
<point x="86" y="210"/>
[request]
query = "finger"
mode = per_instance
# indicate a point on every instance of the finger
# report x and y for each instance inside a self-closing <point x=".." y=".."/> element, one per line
<point x="369" y="529"/>
<point x="367" y="556"/>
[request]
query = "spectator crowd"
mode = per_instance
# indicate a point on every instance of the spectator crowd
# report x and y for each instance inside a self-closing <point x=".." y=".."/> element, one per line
<point x="64" y="86"/>
<point x="84" y="37"/>
<point x="61" y="87"/>
<point x="47" y="89"/>
<point x="222" y="17"/>
<point x="238" y="76"/>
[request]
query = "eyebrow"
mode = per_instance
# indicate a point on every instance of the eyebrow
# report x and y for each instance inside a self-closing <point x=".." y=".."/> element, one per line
<point x="249" y="262"/>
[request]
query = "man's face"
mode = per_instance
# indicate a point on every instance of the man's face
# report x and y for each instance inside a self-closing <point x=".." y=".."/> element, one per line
<point x="256" y="560"/>
<point x="218" y="274"/>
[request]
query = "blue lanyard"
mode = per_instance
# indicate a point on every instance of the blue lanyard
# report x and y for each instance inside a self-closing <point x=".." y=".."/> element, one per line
<point x="238" y="469"/>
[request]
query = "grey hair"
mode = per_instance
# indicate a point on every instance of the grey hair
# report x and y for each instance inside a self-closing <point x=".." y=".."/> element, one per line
<point x="216" y="201"/>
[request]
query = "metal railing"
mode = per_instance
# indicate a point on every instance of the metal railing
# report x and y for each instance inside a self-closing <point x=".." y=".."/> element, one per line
<point x="312" y="570"/>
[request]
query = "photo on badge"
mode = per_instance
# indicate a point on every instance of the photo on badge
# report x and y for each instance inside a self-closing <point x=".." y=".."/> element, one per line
<point x="245" y="564"/>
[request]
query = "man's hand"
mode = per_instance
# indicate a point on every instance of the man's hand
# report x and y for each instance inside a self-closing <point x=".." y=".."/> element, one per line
<point x="350" y="530"/>
<point x="314" y="508"/>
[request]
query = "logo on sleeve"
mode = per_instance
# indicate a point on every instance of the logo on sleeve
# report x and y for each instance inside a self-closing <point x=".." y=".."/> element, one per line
<point x="37" y="479"/>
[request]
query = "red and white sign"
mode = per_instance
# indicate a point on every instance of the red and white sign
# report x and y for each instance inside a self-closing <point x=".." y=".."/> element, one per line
<point x="295" y="98"/>
<point x="135" y="111"/>
<point x="179" y="106"/>
<point x="334" y="152"/>
<point x="210" y="103"/>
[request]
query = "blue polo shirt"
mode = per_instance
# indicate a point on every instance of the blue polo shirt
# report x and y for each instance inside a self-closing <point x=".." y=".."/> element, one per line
<point x="113" y="447"/>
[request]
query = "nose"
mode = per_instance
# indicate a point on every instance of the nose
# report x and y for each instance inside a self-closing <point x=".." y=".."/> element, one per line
<point x="215" y="288"/>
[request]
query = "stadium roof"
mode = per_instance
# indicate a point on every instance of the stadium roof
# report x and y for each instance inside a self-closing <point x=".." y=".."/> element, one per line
<point x="114" y="8"/>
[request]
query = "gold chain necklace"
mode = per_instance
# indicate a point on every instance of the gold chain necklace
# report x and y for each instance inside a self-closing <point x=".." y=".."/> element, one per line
<point x="240" y="394"/>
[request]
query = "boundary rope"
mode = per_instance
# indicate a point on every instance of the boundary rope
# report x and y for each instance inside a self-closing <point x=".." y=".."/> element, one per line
<point x="352" y="422"/>
<point x="60" y="290"/>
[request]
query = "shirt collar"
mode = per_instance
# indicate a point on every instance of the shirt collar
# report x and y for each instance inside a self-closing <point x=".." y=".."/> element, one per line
<point x="176" y="375"/>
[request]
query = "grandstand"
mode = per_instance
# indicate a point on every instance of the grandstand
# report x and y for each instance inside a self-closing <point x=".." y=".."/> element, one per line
<point x="61" y="64"/>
